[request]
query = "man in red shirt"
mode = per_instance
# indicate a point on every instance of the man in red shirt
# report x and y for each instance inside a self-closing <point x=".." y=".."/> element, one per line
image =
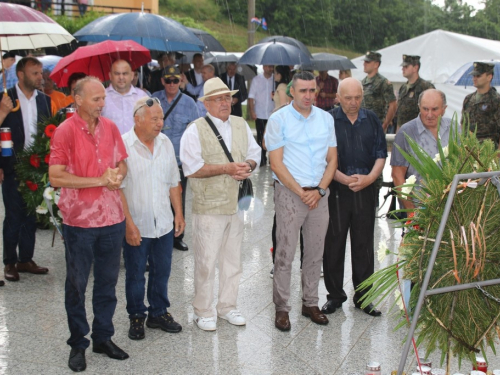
<point x="327" y="91"/>
<point x="87" y="161"/>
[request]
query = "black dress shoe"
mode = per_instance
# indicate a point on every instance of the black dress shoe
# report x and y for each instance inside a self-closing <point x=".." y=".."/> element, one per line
<point x="330" y="307"/>
<point x="370" y="309"/>
<point x="180" y="245"/>
<point x="2" y="283"/>
<point x="110" y="349"/>
<point x="77" y="360"/>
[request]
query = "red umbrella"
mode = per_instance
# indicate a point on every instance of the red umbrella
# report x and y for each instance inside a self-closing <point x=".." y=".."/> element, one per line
<point x="96" y="60"/>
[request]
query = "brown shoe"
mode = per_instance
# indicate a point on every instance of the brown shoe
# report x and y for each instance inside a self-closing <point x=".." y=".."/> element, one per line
<point x="31" y="267"/>
<point x="315" y="314"/>
<point x="282" y="321"/>
<point x="10" y="272"/>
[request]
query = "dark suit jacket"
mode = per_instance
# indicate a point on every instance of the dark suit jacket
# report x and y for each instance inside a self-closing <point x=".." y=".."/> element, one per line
<point x="241" y="95"/>
<point x="14" y="121"/>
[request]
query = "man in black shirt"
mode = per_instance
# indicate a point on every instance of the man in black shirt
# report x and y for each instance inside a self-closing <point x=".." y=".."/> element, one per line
<point x="362" y="151"/>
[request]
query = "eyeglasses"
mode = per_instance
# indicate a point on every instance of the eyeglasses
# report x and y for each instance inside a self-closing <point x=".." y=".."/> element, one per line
<point x="150" y="102"/>
<point x="175" y="81"/>
<point x="221" y="99"/>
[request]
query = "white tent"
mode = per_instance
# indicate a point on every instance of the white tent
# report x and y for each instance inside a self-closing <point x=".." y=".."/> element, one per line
<point x="441" y="54"/>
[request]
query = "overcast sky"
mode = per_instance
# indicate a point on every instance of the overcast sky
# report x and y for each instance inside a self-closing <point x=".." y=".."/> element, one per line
<point x="477" y="4"/>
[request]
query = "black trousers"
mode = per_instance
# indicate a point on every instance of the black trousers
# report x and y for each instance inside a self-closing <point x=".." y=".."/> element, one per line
<point x="19" y="227"/>
<point x="354" y="212"/>
<point x="260" y="126"/>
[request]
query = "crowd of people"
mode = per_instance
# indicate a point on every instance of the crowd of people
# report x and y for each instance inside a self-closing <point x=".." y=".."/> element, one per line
<point x="123" y="160"/>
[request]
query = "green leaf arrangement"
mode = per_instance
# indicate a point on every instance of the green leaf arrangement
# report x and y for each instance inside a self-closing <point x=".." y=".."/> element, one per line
<point x="460" y="323"/>
<point x="33" y="172"/>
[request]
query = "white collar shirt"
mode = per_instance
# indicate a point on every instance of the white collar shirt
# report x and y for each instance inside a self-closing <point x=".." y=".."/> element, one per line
<point x="30" y="115"/>
<point x="190" y="151"/>
<point x="260" y="92"/>
<point x="147" y="184"/>
<point x="120" y="108"/>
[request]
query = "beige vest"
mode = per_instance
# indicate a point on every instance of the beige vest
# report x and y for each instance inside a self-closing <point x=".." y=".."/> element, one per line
<point x="218" y="195"/>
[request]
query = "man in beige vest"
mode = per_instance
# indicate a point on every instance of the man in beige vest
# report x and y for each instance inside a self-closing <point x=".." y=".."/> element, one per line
<point x="217" y="229"/>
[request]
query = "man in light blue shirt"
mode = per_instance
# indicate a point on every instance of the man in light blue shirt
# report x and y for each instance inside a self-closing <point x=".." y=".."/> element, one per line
<point x="180" y="116"/>
<point x="302" y="148"/>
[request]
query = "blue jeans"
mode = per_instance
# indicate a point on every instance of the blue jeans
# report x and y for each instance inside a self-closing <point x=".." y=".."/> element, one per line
<point x="158" y="252"/>
<point x="102" y="246"/>
<point x="18" y="226"/>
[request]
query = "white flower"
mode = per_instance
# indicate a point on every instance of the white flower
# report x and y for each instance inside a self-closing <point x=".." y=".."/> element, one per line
<point x="445" y="151"/>
<point x="406" y="190"/>
<point x="59" y="213"/>
<point x="57" y="195"/>
<point x="437" y="158"/>
<point x="493" y="166"/>
<point x="382" y="252"/>
<point x="399" y="299"/>
<point x="47" y="193"/>
<point x="41" y="210"/>
<point x="54" y="221"/>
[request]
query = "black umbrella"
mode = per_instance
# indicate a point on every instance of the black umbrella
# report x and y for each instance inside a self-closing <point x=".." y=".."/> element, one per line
<point x="287" y="40"/>
<point x="274" y="53"/>
<point x="328" y="61"/>
<point x="220" y="62"/>
<point x="211" y="44"/>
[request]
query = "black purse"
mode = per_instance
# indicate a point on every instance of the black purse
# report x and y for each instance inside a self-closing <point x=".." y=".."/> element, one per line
<point x="245" y="194"/>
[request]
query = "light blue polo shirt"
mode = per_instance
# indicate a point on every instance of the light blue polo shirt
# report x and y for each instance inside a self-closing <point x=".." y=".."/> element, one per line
<point x="305" y="142"/>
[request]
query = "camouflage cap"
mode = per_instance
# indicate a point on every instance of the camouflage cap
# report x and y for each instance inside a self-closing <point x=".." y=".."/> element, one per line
<point x="410" y="60"/>
<point x="482" y="67"/>
<point x="171" y="71"/>
<point x="373" y="56"/>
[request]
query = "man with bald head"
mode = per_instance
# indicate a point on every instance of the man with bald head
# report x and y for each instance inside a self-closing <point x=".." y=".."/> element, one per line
<point x="121" y="96"/>
<point x="87" y="162"/>
<point x="362" y="151"/>
<point x="235" y="81"/>
<point x="423" y="130"/>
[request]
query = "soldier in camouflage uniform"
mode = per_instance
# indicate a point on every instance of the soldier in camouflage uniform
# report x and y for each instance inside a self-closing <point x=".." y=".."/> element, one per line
<point x="378" y="93"/>
<point x="411" y="90"/>
<point x="482" y="108"/>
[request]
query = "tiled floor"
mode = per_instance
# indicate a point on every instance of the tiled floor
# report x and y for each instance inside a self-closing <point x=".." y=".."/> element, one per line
<point x="33" y="328"/>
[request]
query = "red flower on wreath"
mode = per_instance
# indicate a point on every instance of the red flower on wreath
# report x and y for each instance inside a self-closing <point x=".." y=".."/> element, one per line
<point x="35" y="160"/>
<point x="31" y="185"/>
<point x="47" y="158"/>
<point x="49" y="130"/>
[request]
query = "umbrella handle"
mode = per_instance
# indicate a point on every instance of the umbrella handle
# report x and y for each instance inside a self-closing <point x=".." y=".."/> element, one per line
<point x="16" y="108"/>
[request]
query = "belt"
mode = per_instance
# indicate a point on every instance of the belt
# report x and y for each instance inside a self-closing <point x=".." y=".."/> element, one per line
<point x="307" y="188"/>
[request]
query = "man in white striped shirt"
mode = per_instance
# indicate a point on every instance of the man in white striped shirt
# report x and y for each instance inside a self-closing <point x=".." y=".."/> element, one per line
<point x="151" y="185"/>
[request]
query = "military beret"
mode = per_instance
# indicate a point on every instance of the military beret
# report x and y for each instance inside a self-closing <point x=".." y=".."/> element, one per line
<point x="171" y="71"/>
<point x="373" y="56"/>
<point x="410" y="60"/>
<point x="482" y="67"/>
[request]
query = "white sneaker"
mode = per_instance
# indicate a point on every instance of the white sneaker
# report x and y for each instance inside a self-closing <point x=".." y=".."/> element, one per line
<point x="234" y="317"/>
<point x="206" y="324"/>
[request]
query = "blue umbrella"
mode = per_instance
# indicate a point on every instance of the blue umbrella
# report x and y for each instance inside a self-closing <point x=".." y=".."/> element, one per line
<point x="154" y="32"/>
<point x="462" y="77"/>
<point x="274" y="53"/>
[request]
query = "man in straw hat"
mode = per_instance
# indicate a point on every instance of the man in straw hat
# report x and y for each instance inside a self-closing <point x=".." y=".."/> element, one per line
<point x="214" y="180"/>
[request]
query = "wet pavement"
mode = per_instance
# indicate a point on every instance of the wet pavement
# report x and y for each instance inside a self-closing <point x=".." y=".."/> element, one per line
<point x="33" y="327"/>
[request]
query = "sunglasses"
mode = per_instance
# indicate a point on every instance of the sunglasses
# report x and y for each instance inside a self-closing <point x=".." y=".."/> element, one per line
<point x="150" y="102"/>
<point x="170" y="81"/>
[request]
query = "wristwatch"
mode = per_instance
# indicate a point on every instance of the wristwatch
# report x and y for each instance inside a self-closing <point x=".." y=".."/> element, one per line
<point x="322" y="192"/>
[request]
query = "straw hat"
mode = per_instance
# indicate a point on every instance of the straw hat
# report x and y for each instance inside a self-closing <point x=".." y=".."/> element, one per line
<point x="215" y="86"/>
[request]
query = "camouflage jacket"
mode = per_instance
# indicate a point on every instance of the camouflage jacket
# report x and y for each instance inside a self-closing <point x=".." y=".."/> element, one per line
<point x="408" y="100"/>
<point x="483" y="115"/>
<point x="378" y="93"/>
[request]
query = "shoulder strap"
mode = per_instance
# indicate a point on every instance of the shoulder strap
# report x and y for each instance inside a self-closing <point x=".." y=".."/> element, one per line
<point x="172" y="106"/>
<point x="219" y="137"/>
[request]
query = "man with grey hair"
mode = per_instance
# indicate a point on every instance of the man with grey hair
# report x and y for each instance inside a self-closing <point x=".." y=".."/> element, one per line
<point x="87" y="162"/>
<point x="235" y="81"/>
<point x="424" y="131"/>
<point x="302" y="149"/>
<point x="362" y="151"/>
<point x="207" y="72"/>
<point x="152" y="183"/>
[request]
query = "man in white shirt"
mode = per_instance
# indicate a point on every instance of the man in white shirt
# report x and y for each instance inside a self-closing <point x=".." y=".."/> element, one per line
<point x="218" y="231"/>
<point x="151" y="184"/>
<point x="261" y="105"/>
<point x="121" y="96"/>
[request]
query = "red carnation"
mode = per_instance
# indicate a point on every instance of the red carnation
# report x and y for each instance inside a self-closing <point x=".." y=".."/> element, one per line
<point x="49" y="130"/>
<point x="35" y="160"/>
<point x="47" y="158"/>
<point x="31" y="185"/>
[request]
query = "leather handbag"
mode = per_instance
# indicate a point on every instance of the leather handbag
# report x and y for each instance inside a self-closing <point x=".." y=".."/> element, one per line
<point x="245" y="194"/>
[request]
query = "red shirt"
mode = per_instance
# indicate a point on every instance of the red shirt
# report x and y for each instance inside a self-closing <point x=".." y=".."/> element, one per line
<point x="85" y="155"/>
<point x="330" y="85"/>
